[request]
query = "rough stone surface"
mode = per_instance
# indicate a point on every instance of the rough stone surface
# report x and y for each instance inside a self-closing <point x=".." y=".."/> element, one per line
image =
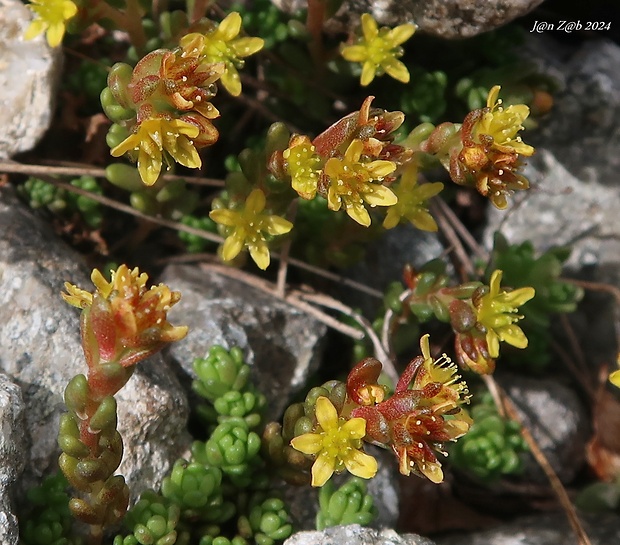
<point x="40" y="349"/>
<point x="558" y="421"/>
<point x="281" y="342"/>
<point x="12" y="455"/>
<point x="583" y="130"/>
<point x="386" y="258"/>
<point x="560" y="210"/>
<point x="29" y="76"/>
<point x="356" y="535"/>
<point x="547" y="529"/>
<point x="451" y="19"/>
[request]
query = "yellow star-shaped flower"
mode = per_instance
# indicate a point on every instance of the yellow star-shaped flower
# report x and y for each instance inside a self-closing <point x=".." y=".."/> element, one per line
<point x="249" y="225"/>
<point x="351" y="183"/>
<point x="336" y="445"/>
<point x="156" y="136"/>
<point x="379" y="50"/>
<point x="496" y="312"/>
<point x="50" y="16"/>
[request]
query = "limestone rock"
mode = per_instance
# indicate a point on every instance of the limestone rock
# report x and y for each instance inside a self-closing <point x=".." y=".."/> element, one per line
<point x="40" y="349"/>
<point x="281" y="342"/>
<point x="29" y="76"/>
<point x="12" y="455"/>
<point x="356" y="535"/>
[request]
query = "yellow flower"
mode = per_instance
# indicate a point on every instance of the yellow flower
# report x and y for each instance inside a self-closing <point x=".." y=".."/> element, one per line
<point x="155" y="136"/>
<point x="222" y="45"/>
<point x="379" y="50"/>
<point x="336" y="445"/>
<point x="503" y="124"/>
<point x="495" y="311"/>
<point x="614" y="377"/>
<point x="50" y="16"/>
<point x="412" y="203"/>
<point x="302" y="163"/>
<point x="123" y="320"/>
<point x="350" y="183"/>
<point x="249" y="227"/>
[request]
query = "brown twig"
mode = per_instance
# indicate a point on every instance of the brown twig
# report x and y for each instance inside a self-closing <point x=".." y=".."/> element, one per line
<point x="554" y="481"/>
<point x="293" y="298"/>
<point x="387" y="331"/>
<point x="13" y="167"/>
<point x="381" y="353"/>
<point x="466" y="267"/>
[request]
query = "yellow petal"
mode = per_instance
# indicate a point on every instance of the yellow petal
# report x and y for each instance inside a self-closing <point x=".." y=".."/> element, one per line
<point x="368" y="73"/>
<point x="35" y="28"/>
<point x="401" y="33"/>
<point x="614" y="378"/>
<point x="513" y="335"/>
<point x="424" y="221"/>
<point x="358" y="213"/>
<point x="380" y="196"/>
<point x="224" y="216"/>
<point x="354" y="53"/>
<point x="244" y="47"/>
<point x="276" y="225"/>
<point x="492" y="343"/>
<point x="232" y="246"/>
<point x="432" y="471"/>
<point x="231" y="80"/>
<point x="308" y="443"/>
<point x="333" y="201"/>
<point x="392" y="219"/>
<point x="229" y="27"/>
<point x="260" y="254"/>
<point x="149" y="166"/>
<point x="255" y="201"/>
<point x="355" y="428"/>
<point x="380" y="169"/>
<point x="55" y="33"/>
<point x="396" y="69"/>
<point x="326" y="414"/>
<point x="369" y="27"/>
<point x="518" y="297"/>
<point x="69" y="9"/>
<point x="361" y="464"/>
<point x="322" y="469"/>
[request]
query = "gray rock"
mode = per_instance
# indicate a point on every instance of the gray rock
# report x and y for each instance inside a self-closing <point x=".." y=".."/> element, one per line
<point x="546" y="529"/>
<point x="557" y="420"/>
<point x="12" y="455"/>
<point x="355" y="535"/>
<point x="451" y="19"/>
<point x="29" y="76"/>
<point x="281" y="342"/>
<point x="583" y="129"/>
<point x="40" y="349"/>
<point x="386" y="258"/>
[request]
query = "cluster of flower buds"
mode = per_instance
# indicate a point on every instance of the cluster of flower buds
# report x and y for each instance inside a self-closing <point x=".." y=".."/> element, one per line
<point x="122" y="323"/>
<point x="485" y="151"/>
<point x="163" y="105"/>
